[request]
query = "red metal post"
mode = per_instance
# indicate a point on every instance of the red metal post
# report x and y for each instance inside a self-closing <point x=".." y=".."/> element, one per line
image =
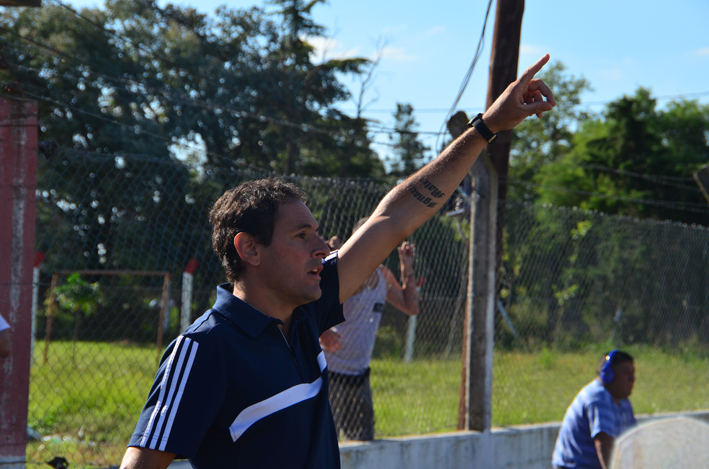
<point x="18" y="183"/>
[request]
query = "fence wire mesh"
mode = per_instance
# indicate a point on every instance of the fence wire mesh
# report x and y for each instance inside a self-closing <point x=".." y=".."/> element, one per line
<point x="119" y="233"/>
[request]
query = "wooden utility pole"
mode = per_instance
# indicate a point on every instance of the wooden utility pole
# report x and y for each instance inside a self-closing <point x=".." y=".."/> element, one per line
<point x="488" y="180"/>
<point x="18" y="185"/>
<point x="504" y="60"/>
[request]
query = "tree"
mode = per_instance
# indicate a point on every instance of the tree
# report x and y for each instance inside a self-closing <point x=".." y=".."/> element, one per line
<point x="409" y="152"/>
<point x="537" y="142"/>
<point x="636" y="160"/>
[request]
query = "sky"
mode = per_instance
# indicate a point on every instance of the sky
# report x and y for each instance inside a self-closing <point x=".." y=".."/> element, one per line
<point x="617" y="46"/>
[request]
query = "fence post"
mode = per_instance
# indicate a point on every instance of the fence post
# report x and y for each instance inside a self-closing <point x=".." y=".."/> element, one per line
<point x="38" y="258"/>
<point x="411" y="326"/>
<point x="475" y="403"/>
<point x="18" y="183"/>
<point x="163" y="311"/>
<point x="187" y="284"/>
<point x="480" y="304"/>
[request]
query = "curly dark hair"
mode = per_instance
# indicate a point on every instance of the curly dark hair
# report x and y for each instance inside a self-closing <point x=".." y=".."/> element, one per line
<point x="250" y="208"/>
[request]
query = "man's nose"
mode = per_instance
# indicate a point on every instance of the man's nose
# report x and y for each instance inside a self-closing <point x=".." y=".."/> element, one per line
<point x="322" y="249"/>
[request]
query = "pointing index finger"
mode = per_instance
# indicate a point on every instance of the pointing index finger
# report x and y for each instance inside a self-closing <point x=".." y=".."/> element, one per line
<point x="528" y="74"/>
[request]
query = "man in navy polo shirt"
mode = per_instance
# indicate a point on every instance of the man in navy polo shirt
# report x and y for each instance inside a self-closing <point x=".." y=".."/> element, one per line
<point x="247" y="384"/>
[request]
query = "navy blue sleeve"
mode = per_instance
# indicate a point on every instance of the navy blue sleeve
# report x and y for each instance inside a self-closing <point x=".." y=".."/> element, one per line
<point x="185" y="398"/>
<point x="328" y="308"/>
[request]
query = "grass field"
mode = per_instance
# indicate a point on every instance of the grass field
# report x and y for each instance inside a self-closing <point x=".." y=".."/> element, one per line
<point x="86" y="399"/>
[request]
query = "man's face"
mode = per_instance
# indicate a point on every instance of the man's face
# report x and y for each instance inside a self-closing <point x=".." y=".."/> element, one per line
<point x="622" y="385"/>
<point x="293" y="261"/>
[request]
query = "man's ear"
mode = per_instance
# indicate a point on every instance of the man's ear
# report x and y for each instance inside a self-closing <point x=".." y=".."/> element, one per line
<point x="246" y="246"/>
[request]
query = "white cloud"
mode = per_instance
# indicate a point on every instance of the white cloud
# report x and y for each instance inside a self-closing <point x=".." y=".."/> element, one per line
<point x="613" y="74"/>
<point x="397" y="54"/>
<point x="327" y="48"/>
<point x="527" y="49"/>
<point x="701" y="52"/>
<point x="434" y="31"/>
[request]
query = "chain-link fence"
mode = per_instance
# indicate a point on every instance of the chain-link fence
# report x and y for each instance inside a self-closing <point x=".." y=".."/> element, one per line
<point x="128" y="255"/>
<point x="575" y="284"/>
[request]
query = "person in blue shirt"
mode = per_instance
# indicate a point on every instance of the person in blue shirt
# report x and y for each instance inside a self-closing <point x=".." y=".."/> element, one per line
<point x="5" y="345"/>
<point x="247" y="384"/>
<point x="599" y="414"/>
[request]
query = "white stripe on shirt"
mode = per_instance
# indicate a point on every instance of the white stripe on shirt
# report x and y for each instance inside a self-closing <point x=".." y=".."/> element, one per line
<point x="166" y="408"/>
<point x="178" y="397"/>
<point x="161" y="397"/>
<point x="273" y="404"/>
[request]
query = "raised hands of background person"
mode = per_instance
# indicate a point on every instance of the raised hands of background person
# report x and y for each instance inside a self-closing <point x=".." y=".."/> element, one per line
<point x="330" y="341"/>
<point x="335" y="243"/>
<point x="407" y="253"/>
<point x="523" y="98"/>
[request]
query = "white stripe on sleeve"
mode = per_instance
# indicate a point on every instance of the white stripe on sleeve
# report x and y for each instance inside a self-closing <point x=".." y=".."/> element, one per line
<point x="178" y="397"/>
<point x="161" y="397"/>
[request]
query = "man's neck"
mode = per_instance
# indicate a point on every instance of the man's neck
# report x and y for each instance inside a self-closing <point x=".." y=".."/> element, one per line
<point x="266" y="303"/>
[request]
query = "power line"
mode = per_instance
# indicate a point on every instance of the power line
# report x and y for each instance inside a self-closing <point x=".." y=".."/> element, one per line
<point x="697" y="94"/>
<point x="168" y="95"/>
<point x="663" y="180"/>
<point x="466" y="79"/>
<point x="684" y="206"/>
<point x="152" y="54"/>
<point x="138" y="47"/>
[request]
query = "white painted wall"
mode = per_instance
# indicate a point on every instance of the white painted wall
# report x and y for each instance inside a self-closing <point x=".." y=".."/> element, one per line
<point x="518" y="447"/>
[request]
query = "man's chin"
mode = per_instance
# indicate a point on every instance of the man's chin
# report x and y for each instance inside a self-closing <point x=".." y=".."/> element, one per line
<point x="311" y="296"/>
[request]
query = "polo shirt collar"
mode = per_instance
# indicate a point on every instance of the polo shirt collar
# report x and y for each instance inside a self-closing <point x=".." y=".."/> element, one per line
<point x="245" y="316"/>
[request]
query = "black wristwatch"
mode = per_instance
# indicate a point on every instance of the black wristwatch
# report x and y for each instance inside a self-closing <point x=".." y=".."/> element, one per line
<point x="482" y="129"/>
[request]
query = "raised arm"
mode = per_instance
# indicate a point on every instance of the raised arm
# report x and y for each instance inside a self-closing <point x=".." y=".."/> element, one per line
<point x="404" y="296"/>
<point x="416" y="199"/>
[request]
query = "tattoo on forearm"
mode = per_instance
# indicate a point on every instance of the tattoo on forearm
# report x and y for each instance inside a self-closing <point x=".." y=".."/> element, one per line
<point x="422" y="198"/>
<point x="434" y="190"/>
<point x="428" y="201"/>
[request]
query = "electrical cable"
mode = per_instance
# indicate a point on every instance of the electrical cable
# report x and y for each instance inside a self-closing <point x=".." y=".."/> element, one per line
<point x="190" y="100"/>
<point x="649" y="177"/>
<point x="466" y="79"/>
<point x="684" y="206"/>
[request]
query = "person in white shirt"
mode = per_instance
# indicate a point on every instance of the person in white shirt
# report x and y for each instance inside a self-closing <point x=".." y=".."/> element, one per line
<point x="348" y="346"/>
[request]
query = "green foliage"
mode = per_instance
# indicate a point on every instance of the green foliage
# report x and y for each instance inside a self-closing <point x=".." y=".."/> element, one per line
<point x="78" y="295"/>
<point x="573" y="277"/>
<point x="605" y="168"/>
<point x="410" y="153"/>
<point x="241" y="86"/>
<point x="90" y="411"/>
<point x="88" y="407"/>
<point x="538" y="142"/>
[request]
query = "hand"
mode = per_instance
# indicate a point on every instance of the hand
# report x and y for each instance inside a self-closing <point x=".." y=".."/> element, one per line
<point x="406" y="252"/>
<point x="335" y="243"/>
<point x="330" y="341"/>
<point x="522" y="98"/>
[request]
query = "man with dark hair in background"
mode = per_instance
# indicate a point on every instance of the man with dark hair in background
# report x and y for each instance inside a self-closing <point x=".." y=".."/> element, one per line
<point x="247" y="384"/>
<point x="599" y="414"/>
